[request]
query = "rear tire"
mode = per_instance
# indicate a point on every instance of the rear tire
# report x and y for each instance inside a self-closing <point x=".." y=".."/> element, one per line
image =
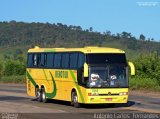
<point x="43" y="94"/>
<point x="38" y="94"/>
<point x="74" y="99"/>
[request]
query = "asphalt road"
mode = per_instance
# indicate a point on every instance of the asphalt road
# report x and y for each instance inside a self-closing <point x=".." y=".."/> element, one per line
<point x="14" y="102"/>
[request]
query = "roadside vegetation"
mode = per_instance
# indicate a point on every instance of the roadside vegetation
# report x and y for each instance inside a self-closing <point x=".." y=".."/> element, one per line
<point x="13" y="79"/>
<point x="13" y="68"/>
<point x="147" y="72"/>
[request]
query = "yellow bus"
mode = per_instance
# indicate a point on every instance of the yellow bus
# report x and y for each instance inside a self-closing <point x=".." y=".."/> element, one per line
<point x="89" y="75"/>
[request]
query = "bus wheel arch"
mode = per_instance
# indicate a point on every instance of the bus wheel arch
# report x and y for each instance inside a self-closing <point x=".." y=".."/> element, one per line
<point x="74" y="98"/>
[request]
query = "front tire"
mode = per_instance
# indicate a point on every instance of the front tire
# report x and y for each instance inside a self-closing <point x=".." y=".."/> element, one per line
<point x="74" y="100"/>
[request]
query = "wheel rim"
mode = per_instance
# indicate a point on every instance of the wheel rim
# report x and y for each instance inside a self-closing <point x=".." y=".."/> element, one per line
<point x="43" y="96"/>
<point x="75" y="98"/>
<point x="37" y="93"/>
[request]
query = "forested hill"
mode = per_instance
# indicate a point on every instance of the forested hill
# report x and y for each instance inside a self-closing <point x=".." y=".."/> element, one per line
<point x="13" y="34"/>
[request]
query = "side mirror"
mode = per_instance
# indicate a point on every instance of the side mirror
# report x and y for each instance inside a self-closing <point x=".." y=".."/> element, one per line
<point x="132" y="67"/>
<point x="85" y="70"/>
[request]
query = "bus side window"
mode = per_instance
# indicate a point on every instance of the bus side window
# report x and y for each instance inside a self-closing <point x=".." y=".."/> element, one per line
<point x="81" y="60"/>
<point x="36" y="59"/>
<point x="57" y="60"/>
<point x="30" y="62"/>
<point x="43" y="59"/>
<point x="65" y="60"/>
<point x="50" y="59"/>
<point x="73" y="60"/>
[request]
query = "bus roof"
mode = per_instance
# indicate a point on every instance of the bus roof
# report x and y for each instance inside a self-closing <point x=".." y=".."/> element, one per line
<point x="86" y="50"/>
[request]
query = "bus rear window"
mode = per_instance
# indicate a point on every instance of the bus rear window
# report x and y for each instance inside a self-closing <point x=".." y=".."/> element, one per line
<point x="106" y="58"/>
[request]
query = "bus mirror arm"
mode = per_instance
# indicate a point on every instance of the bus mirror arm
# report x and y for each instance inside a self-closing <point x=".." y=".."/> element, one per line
<point x="132" y="68"/>
<point x="83" y="80"/>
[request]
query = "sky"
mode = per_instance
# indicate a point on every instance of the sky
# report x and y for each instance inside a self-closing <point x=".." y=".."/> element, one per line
<point x="133" y="16"/>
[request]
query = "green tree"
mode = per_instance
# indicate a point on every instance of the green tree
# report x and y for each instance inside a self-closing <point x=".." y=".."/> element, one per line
<point x="142" y="37"/>
<point x="90" y="29"/>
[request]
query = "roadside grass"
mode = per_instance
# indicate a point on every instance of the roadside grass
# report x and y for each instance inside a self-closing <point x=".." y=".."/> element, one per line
<point x="141" y="83"/>
<point x="13" y="79"/>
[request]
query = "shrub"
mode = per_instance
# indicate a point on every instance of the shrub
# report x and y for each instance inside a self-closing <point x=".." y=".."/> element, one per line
<point x="14" y="68"/>
<point x="139" y="82"/>
<point x="147" y="72"/>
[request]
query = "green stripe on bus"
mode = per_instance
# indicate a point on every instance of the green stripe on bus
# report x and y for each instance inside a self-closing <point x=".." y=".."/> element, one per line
<point x="78" y="88"/>
<point x="54" y="92"/>
<point x="31" y="79"/>
<point x="49" y="95"/>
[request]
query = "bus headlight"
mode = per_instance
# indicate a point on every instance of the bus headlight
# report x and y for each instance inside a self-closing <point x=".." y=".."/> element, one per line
<point x="123" y="93"/>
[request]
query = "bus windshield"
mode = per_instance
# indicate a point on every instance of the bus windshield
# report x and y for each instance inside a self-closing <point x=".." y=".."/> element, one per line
<point x="106" y="58"/>
<point x="109" y="76"/>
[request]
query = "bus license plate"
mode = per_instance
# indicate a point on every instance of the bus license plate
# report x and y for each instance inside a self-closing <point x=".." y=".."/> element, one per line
<point x="108" y="99"/>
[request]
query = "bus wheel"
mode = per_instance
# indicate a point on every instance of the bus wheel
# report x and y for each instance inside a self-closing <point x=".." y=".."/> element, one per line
<point x="43" y="93"/>
<point x="38" y="94"/>
<point x="74" y="100"/>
